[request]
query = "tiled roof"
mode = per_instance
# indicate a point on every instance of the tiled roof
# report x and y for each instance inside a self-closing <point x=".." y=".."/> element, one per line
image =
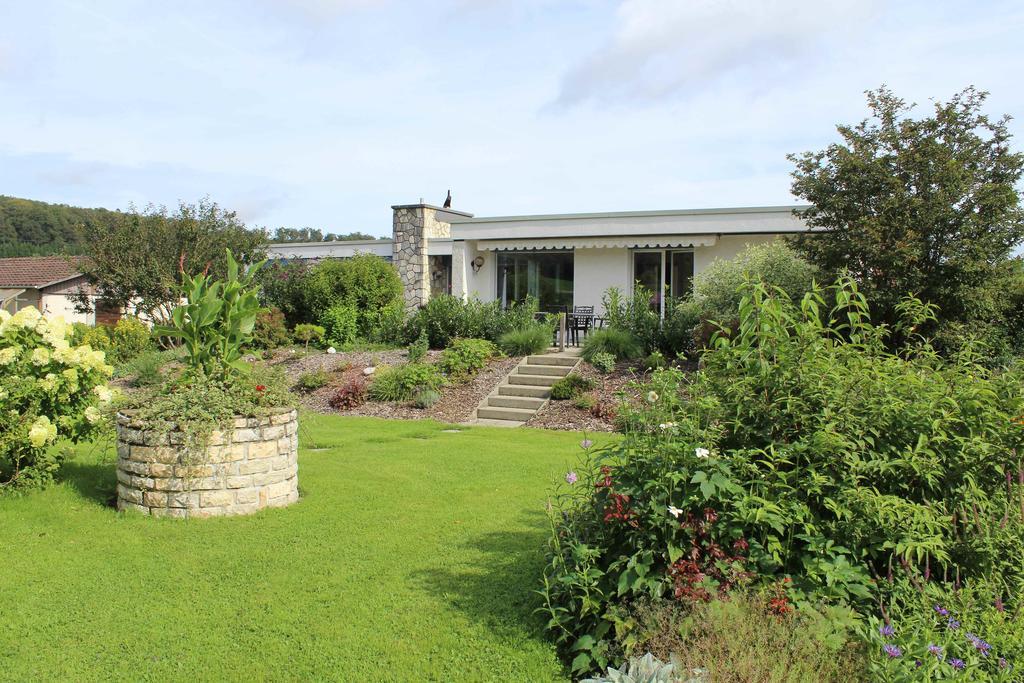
<point x="37" y="271"/>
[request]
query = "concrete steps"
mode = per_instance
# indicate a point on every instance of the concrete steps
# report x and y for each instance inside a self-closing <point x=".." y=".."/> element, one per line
<point x="526" y="389"/>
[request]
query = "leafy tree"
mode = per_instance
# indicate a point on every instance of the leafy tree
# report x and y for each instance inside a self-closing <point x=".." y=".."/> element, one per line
<point x="141" y="256"/>
<point x="927" y="206"/>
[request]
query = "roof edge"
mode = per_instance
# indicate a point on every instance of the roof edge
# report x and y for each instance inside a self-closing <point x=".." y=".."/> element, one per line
<point x="639" y="214"/>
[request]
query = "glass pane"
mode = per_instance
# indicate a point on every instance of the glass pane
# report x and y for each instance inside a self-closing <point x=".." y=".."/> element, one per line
<point x="547" y="276"/>
<point x="647" y="272"/>
<point x="682" y="273"/>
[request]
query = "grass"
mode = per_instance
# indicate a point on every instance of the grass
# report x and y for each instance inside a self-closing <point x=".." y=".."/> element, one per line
<point x="412" y="555"/>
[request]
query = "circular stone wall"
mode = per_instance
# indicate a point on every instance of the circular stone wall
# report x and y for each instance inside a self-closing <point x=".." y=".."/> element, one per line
<point x="251" y="467"/>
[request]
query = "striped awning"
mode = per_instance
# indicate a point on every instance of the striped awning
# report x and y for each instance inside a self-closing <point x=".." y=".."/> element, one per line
<point x="565" y="243"/>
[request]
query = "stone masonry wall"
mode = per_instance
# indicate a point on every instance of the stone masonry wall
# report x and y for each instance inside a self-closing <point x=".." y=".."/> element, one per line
<point x="413" y="227"/>
<point x="251" y="467"/>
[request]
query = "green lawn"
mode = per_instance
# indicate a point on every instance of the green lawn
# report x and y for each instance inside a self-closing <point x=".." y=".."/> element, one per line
<point x="412" y="555"/>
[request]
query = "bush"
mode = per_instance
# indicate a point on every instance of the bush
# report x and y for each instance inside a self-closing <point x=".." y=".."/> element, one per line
<point x="313" y="380"/>
<point x="94" y="336"/>
<point x="309" y="333"/>
<point x="341" y="324"/>
<point x="351" y="395"/>
<point x="283" y="285"/>
<point x="447" y="317"/>
<point x="394" y="326"/>
<point x="804" y="449"/>
<point x="418" y="349"/>
<point x="717" y="289"/>
<point x="128" y="338"/>
<point x="365" y="282"/>
<point x="401" y="383"/>
<point x="620" y="343"/>
<point x="270" y="331"/>
<point x="49" y="390"/>
<point x="679" y="331"/>
<point x="425" y="398"/>
<point x="370" y="284"/>
<point x="526" y="341"/>
<point x="466" y="357"/>
<point x="603" y="362"/>
<point x="570" y="386"/>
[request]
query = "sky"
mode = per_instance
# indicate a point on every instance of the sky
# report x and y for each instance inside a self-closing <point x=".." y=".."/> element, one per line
<point x="324" y="113"/>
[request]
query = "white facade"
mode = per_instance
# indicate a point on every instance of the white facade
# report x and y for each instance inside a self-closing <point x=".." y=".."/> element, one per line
<point x="600" y="249"/>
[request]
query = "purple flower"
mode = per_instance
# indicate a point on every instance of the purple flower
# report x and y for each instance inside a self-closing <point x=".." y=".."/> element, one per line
<point x="570" y="478"/>
<point x="979" y="644"/>
<point x="935" y="650"/>
<point x="918" y="663"/>
<point x="887" y="630"/>
<point x="953" y="624"/>
<point x="956" y="663"/>
<point x="892" y="650"/>
<point x="586" y="443"/>
<point x="1003" y="663"/>
<point x="943" y="612"/>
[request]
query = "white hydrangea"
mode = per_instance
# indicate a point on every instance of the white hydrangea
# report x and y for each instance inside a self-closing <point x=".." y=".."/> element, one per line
<point x="103" y="393"/>
<point x="42" y="432"/>
<point x="40" y="356"/>
<point x="92" y="415"/>
<point x="8" y="355"/>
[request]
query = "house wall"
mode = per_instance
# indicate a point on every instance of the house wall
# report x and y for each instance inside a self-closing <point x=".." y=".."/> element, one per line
<point x="595" y="270"/>
<point x="727" y="247"/>
<point x="63" y="305"/>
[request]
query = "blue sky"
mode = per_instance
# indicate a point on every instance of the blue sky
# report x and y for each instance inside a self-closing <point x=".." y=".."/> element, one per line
<point x="323" y="113"/>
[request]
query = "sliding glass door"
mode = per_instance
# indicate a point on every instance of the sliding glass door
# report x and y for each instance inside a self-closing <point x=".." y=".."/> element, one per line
<point x="546" y="276"/>
<point x="663" y="271"/>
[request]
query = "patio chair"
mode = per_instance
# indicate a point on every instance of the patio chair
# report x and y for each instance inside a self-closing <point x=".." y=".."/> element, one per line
<point x="580" y="323"/>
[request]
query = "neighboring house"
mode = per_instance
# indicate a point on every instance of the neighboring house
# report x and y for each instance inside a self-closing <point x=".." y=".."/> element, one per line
<point x="46" y="282"/>
<point x="564" y="260"/>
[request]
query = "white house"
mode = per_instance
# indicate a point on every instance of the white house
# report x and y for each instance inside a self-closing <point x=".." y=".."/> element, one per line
<point x="565" y="260"/>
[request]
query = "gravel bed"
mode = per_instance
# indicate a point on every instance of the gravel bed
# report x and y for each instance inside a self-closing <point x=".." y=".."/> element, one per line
<point x="564" y="415"/>
<point x="458" y="402"/>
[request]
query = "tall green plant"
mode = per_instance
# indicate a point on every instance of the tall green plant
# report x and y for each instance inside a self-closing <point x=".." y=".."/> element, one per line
<point x="217" y="319"/>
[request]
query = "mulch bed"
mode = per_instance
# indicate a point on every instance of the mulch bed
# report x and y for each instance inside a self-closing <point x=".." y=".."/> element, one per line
<point x="458" y="401"/>
<point x="564" y="415"/>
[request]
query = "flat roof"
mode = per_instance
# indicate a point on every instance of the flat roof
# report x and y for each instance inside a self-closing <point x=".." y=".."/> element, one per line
<point x="636" y="214"/>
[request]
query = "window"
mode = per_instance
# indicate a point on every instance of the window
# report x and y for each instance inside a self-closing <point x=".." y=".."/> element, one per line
<point x="546" y="276"/>
<point x="663" y="272"/>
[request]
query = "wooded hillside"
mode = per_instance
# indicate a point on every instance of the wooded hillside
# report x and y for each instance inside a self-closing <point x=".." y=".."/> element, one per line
<point x="29" y="228"/>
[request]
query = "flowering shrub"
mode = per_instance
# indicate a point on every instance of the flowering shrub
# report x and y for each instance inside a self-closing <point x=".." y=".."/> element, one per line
<point x="350" y="395"/>
<point x="803" y="449"/>
<point x="49" y="389"/>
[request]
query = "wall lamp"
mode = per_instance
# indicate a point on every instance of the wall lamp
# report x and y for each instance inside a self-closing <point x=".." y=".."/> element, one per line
<point x="477" y="264"/>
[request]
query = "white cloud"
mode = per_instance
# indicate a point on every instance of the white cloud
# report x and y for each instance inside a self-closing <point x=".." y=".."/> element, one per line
<point x="666" y="47"/>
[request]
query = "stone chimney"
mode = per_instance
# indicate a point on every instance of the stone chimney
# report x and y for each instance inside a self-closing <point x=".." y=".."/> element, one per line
<point x="414" y="225"/>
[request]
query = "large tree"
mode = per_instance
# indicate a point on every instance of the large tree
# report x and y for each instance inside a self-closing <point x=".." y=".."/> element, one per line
<point x="925" y="206"/>
<point x="139" y="258"/>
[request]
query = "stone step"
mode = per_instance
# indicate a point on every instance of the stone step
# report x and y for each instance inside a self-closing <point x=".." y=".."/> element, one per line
<point x="532" y="380"/>
<point x="512" y="414"/>
<point x="567" y="361"/>
<point x="524" y="402"/>
<point x="523" y="390"/>
<point x="499" y="423"/>
<point x="553" y="370"/>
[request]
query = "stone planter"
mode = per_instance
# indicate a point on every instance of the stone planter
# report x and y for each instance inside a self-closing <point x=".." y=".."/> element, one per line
<point x="242" y="470"/>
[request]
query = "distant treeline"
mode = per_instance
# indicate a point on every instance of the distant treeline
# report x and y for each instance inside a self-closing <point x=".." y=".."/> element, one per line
<point x="33" y="228"/>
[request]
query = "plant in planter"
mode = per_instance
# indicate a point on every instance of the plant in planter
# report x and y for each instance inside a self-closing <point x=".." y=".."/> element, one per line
<point x="220" y="438"/>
